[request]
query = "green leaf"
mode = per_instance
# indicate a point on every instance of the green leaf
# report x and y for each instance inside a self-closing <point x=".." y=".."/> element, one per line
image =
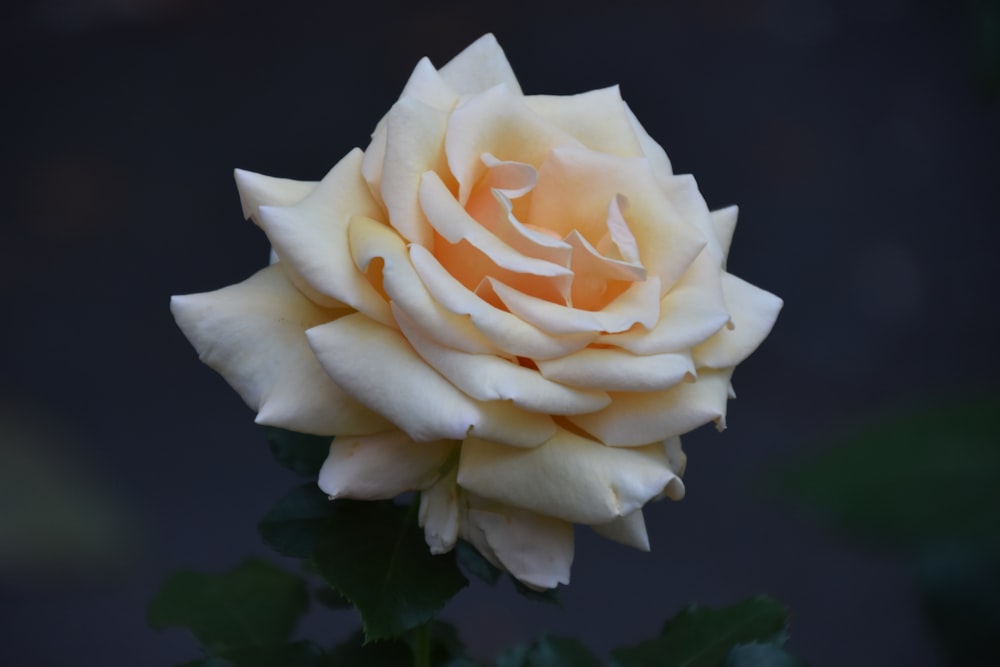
<point x="549" y="651"/>
<point x="923" y="477"/>
<point x="960" y="587"/>
<point x="548" y="596"/>
<point x="375" y="555"/>
<point x="296" y="523"/>
<point x="301" y="453"/>
<point x="702" y="637"/>
<point x="473" y="562"/>
<point x="446" y="647"/>
<point x="331" y="599"/>
<point x="761" y="655"/>
<point x="253" y="605"/>
<point x="298" y="654"/>
<point x="354" y="652"/>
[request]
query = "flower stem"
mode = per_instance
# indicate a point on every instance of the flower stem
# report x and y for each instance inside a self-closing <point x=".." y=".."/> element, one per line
<point x="422" y="646"/>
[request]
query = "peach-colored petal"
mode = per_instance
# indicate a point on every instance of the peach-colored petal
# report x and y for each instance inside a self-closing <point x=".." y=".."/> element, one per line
<point x="252" y="333"/>
<point x="537" y="550"/>
<point x="598" y="119"/>
<point x="634" y="419"/>
<point x="575" y="187"/>
<point x="509" y="333"/>
<point x="613" y="369"/>
<point x="480" y="66"/>
<point x="487" y="377"/>
<point x="629" y="530"/>
<point x="753" y="312"/>
<point x="498" y="122"/>
<point x="382" y="466"/>
<point x="257" y="190"/>
<point x="312" y="237"/>
<point x="414" y="145"/>
<point x="371" y="240"/>
<point x="639" y="304"/>
<point x="569" y="477"/>
<point x="689" y="314"/>
<point x="377" y="366"/>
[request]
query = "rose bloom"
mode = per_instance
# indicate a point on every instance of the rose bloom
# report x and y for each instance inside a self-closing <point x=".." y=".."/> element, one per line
<point x="509" y="303"/>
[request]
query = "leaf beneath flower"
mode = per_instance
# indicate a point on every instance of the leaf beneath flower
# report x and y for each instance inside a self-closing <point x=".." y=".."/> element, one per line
<point x="301" y="453"/>
<point x="296" y="523"/>
<point x="548" y="652"/>
<point x="702" y="637"/>
<point x="297" y="654"/>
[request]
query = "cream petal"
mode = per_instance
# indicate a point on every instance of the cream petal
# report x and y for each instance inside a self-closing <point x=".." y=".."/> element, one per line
<point x="487" y="377"/>
<point x="690" y="204"/>
<point x="690" y="313"/>
<point x="496" y="121"/>
<point x="617" y="370"/>
<point x="634" y="419"/>
<point x="252" y="333"/>
<point x="312" y="237"/>
<point x="639" y="304"/>
<point x="569" y="477"/>
<point x="439" y="513"/>
<point x="428" y="86"/>
<point x="508" y="332"/>
<point x="724" y="222"/>
<point x="372" y="161"/>
<point x="414" y="145"/>
<point x="537" y="550"/>
<point x="370" y="239"/>
<point x="629" y="530"/>
<point x="480" y="66"/>
<point x="575" y="187"/>
<point x="409" y="393"/>
<point x="454" y="224"/>
<point x="382" y="466"/>
<point x="598" y="119"/>
<point x="257" y="190"/>
<point x="657" y="157"/>
<point x="753" y="312"/>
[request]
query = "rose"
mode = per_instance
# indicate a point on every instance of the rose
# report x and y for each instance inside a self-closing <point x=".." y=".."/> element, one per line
<point x="507" y="302"/>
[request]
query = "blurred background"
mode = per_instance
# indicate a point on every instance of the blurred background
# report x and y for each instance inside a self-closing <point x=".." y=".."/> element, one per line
<point x="860" y="138"/>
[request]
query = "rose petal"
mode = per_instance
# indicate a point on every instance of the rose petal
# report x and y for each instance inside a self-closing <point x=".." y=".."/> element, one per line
<point x="496" y="121"/>
<point x="575" y="187"/>
<point x="479" y="67"/>
<point x="439" y="513"/>
<point x="414" y="145"/>
<point x="569" y="477"/>
<point x="382" y="466"/>
<point x="508" y="332"/>
<point x="690" y="204"/>
<point x="409" y="393"/>
<point x="690" y="313"/>
<point x="598" y="119"/>
<point x="677" y="458"/>
<point x="312" y="237"/>
<point x="494" y="257"/>
<point x="634" y="419"/>
<point x="639" y="304"/>
<point x="252" y="333"/>
<point x="428" y="86"/>
<point x="537" y="550"/>
<point x="657" y="157"/>
<point x="617" y="370"/>
<point x="724" y="222"/>
<point x="629" y="530"/>
<point x="257" y="190"/>
<point x="487" y="377"/>
<point x="369" y="240"/>
<point x="753" y="312"/>
<point x="374" y="158"/>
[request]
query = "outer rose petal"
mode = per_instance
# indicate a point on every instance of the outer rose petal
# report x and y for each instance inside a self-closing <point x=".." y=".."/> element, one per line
<point x="753" y="312"/>
<point x="252" y="333"/>
<point x="653" y="151"/>
<point x="440" y="513"/>
<point x="378" y="367"/>
<point x="479" y="67"/>
<point x="382" y="466"/>
<point x="630" y="530"/>
<point x="534" y="548"/>
<point x="257" y="190"/>
<point x="569" y="477"/>
<point x="634" y="419"/>
<point x="617" y="370"/>
<point x="312" y="237"/>
<point x="598" y="119"/>
<point x="724" y="221"/>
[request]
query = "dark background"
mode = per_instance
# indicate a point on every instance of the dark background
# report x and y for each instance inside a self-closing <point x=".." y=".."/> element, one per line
<point x="860" y="139"/>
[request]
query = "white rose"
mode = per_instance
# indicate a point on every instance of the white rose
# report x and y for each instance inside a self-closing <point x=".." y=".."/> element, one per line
<point x="508" y="302"/>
